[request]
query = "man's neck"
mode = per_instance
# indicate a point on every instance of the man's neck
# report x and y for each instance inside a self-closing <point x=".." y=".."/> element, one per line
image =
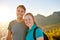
<point x="20" y="20"/>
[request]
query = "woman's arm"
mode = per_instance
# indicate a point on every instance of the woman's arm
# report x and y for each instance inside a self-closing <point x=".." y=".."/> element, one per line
<point x="40" y="38"/>
<point x="39" y="34"/>
<point x="9" y="35"/>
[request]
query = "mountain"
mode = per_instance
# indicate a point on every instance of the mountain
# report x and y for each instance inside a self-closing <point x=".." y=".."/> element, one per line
<point x="40" y="19"/>
<point x="52" y="19"/>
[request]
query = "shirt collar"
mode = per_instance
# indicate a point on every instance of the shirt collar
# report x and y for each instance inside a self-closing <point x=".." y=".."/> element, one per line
<point x="34" y="26"/>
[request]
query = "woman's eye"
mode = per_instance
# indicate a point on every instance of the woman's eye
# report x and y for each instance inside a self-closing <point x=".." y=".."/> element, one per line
<point x="25" y="20"/>
<point x="29" y="19"/>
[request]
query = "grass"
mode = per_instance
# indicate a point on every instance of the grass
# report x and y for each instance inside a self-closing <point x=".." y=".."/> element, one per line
<point x="53" y="30"/>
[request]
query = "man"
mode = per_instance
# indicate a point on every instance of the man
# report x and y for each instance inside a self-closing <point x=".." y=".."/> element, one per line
<point x="16" y="28"/>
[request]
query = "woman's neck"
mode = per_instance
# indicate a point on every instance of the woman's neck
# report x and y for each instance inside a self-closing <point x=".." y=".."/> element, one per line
<point x="31" y="26"/>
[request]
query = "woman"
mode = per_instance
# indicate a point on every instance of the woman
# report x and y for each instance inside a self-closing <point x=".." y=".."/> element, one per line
<point x="30" y="22"/>
<point x="16" y="28"/>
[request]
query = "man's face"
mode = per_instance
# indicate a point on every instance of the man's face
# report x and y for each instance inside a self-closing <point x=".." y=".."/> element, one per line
<point x="20" y="12"/>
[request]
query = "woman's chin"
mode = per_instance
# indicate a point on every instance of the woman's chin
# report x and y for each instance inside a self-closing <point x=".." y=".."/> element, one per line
<point x="27" y="25"/>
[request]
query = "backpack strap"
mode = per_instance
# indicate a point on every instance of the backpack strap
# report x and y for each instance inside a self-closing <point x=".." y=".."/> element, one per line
<point x="45" y="37"/>
<point x="34" y="33"/>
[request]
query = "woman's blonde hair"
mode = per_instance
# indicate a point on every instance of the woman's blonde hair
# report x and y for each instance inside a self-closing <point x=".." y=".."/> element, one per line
<point x="32" y="17"/>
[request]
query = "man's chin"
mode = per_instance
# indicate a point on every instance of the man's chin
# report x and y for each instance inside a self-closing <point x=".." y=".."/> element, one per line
<point x="20" y="17"/>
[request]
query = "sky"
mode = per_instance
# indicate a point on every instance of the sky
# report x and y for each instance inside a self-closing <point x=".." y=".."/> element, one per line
<point x="43" y="7"/>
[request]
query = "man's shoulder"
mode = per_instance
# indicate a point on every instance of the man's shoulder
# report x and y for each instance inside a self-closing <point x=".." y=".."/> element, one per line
<point x="12" y="22"/>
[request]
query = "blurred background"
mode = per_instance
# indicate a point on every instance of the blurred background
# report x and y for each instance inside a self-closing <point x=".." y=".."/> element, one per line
<point x="46" y="13"/>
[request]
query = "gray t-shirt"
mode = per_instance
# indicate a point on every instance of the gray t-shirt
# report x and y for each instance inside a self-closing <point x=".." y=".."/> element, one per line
<point x="18" y="31"/>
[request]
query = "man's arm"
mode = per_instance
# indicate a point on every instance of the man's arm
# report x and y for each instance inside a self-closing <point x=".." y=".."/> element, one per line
<point x="9" y="37"/>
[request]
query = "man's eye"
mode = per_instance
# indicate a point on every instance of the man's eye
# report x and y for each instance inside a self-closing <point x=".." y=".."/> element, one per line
<point x="22" y="11"/>
<point x="18" y="10"/>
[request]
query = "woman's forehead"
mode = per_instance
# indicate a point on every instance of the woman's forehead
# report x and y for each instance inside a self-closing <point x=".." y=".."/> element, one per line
<point x="28" y="16"/>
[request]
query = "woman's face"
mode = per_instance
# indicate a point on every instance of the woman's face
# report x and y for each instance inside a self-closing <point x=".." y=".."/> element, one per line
<point x="28" y="20"/>
<point x="20" y="12"/>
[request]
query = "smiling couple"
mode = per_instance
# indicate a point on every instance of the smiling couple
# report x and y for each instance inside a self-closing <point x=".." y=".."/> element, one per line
<point x="23" y="28"/>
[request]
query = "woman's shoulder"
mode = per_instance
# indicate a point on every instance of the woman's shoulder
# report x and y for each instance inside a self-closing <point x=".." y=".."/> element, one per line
<point x="39" y="32"/>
